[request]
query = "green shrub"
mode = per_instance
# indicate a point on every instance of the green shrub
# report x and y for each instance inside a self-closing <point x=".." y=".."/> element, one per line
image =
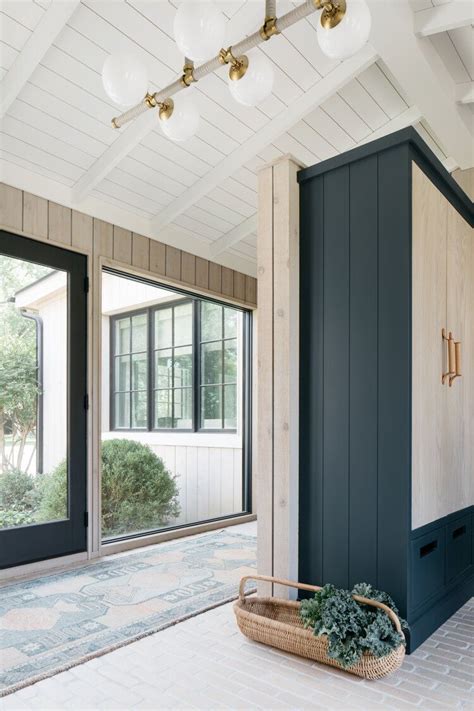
<point x="18" y="499"/>
<point x="52" y="495"/>
<point x="138" y="492"/>
<point x="17" y="491"/>
<point x="14" y="517"/>
<point x="352" y="628"/>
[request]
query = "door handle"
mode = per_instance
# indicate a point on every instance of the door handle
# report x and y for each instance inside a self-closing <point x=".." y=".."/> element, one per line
<point x="451" y="358"/>
<point x="457" y="363"/>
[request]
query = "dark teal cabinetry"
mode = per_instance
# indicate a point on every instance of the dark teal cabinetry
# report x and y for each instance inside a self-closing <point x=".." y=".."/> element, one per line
<point x="356" y="388"/>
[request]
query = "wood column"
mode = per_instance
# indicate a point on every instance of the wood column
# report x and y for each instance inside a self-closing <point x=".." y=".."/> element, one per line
<point x="278" y="372"/>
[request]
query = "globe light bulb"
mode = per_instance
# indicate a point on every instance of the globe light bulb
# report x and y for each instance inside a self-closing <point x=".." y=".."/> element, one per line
<point x="199" y="29"/>
<point x="125" y="79"/>
<point x="349" y="35"/>
<point x="182" y="121"/>
<point x="257" y="82"/>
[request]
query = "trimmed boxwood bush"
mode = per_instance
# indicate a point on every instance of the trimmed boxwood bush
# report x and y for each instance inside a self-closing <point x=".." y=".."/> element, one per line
<point x="18" y="498"/>
<point x="138" y="492"/>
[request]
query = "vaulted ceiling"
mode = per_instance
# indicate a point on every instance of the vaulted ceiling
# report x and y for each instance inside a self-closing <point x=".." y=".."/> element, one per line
<point x="57" y="140"/>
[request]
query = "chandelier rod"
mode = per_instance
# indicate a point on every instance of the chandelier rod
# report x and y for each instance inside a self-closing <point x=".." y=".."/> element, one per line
<point x="271" y="26"/>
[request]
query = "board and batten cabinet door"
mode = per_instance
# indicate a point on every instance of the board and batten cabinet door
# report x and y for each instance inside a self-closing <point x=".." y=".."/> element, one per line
<point x="429" y="307"/>
<point x="460" y="400"/>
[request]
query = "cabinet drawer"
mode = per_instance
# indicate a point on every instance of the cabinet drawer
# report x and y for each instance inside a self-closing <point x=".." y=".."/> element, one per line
<point x="458" y="547"/>
<point x="427" y="565"/>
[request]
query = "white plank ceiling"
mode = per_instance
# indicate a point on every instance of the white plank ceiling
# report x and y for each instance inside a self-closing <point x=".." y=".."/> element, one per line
<point x="59" y="125"/>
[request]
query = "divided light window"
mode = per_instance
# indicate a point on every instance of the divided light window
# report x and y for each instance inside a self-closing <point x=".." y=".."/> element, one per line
<point x="175" y="366"/>
<point x="218" y="351"/>
<point x="130" y="367"/>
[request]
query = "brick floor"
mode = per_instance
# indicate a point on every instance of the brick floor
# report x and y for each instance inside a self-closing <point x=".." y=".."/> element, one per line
<point x="205" y="663"/>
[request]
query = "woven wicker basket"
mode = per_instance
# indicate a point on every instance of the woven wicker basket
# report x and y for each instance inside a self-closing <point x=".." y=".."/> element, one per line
<point x="277" y="623"/>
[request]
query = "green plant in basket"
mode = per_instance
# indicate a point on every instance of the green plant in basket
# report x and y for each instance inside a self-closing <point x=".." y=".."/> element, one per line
<point x="352" y="628"/>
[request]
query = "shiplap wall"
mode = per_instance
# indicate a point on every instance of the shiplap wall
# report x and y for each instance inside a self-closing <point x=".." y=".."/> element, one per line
<point x="45" y="220"/>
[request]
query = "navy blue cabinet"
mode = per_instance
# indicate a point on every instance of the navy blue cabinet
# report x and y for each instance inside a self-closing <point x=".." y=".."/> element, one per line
<point x="355" y="517"/>
<point x="458" y="547"/>
<point x="428" y="558"/>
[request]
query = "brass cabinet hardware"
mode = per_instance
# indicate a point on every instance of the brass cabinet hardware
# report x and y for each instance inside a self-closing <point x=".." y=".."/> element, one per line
<point x="451" y="356"/>
<point x="457" y="360"/>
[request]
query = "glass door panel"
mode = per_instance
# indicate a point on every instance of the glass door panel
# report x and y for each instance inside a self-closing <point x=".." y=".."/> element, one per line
<point x="42" y="416"/>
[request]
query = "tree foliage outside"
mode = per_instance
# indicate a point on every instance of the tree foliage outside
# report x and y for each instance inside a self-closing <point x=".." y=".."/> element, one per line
<point x="352" y="628"/>
<point x="138" y="492"/>
<point x="18" y="368"/>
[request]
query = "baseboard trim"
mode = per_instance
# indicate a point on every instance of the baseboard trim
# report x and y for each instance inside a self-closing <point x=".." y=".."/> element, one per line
<point x="438" y="613"/>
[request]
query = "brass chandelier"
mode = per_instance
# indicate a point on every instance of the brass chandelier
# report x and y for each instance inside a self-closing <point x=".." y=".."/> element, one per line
<point x="342" y="29"/>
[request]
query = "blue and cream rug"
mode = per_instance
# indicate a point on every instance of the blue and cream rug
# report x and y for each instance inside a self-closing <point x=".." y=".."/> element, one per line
<point x="58" y="621"/>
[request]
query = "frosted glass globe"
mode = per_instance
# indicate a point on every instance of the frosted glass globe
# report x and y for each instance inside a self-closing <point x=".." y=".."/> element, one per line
<point x="125" y="79"/>
<point x="349" y="35"/>
<point x="199" y="29"/>
<point x="256" y="84"/>
<point x="184" y="121"/>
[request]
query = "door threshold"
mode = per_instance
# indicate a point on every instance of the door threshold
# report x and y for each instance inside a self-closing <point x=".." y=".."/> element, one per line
<point x="29" y="571"/>
<point x="128" y="544"/>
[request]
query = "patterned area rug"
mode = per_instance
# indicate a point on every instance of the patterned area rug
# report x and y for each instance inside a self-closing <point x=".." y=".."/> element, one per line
<point x="58" y="621"/>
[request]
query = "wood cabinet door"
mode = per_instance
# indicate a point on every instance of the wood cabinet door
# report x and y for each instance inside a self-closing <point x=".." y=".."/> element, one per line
<point x="429" y="277"/>
<point x="459" y="459"/>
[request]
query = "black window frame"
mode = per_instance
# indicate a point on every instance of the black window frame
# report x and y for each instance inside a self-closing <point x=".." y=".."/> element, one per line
<point x="222" y="384"/>
<point x="196" y="388"/>
<point x="130" y="353"/>
<point x="152" y="373"/>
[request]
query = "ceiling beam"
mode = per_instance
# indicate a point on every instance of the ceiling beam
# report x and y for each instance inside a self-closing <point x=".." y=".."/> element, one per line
<point x="422" y="76"/>
<point x="465" y="93"/>
<point x="234" y="236"/>
<point x="410" y="117"/>
<point x="442" y="18"/>
<point x="303" y="105"/>
<point x="40" y="40"/>
<point x="127" y="139"/>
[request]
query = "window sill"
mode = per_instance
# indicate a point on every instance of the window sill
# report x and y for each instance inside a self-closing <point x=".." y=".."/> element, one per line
<point x="215" y="440"/>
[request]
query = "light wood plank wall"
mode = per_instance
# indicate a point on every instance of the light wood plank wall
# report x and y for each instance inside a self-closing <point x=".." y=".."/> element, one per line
<point x="278" y="373"/>
<point x="36" y="217"/>
<point x="111" y="245"/>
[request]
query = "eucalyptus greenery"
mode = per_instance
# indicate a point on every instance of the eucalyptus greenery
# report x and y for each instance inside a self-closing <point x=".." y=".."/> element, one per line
<point x="352" y="628"/>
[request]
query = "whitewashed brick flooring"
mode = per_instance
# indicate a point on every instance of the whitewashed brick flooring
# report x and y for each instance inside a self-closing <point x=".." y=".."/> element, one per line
<point x="205" y="663"/>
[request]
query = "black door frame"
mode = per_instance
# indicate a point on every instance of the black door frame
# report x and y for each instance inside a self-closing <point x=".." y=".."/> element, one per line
<point x="34" y="542"/>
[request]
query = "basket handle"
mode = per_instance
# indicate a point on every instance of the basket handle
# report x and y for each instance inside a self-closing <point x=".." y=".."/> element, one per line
<point x="314" y="588"/>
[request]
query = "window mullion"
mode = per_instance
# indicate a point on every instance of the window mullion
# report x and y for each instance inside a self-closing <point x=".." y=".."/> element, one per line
<point x="130" y="372"/>
<point x="223" y="371"/>
<point x="172" y="368"/>
<point x="196" y="355"/>
<point x="150" y="370"/>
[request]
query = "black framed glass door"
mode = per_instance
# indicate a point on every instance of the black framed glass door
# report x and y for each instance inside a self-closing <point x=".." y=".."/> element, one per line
<point x="43" y="347"/>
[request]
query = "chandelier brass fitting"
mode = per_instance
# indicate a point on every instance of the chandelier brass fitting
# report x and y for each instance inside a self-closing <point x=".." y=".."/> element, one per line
<point x="332" y="12"/>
